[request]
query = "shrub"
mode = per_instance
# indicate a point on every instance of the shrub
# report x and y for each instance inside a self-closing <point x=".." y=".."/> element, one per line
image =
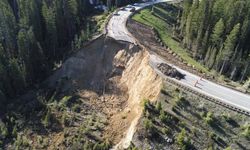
<point x="146" y="104"/>
<point x="159" y="106"/>
<point x="14" y="131"/>
<point x="21" y="141"/>
<point x="148" y="125"/>
<point x="64" y="119"/>
<point x="209" y="118"/>
<point x="76" y="108"/>
<point x="3" y="130"/>
<point x="164" y="92"/>
<point x="179" y="100"/>
<point x="102" y="146"/>
<point x="165" y="118"/>
<point x="165" y="131"/>
<point x="227" y="117"/>
<point x="183" y="140"/>
<point x="64" y="102"/>
<point x="86" y="146"/>
<point x="182" y="124"/>
<point x="177" y="90"/>
<point x="47" y="119"/>
<point x="228" y="148"/>
<point x="246" y="130"/>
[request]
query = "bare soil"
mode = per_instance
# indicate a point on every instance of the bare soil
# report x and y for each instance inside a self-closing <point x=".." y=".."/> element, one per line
<point x="106" y="81"/>
<point x="147" y="37"/>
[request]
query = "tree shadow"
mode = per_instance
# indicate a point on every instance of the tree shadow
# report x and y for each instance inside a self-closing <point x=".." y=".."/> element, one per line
<point x="217" y="127"/>
<point x="220" y="142"/>
<point x="241" y="146"/>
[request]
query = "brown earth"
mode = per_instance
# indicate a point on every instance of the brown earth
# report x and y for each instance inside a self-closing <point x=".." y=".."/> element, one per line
<point x="147" y="37"/>
<point x="112" y="79"/>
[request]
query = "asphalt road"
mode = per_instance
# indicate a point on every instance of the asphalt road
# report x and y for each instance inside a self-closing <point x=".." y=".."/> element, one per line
<point x="117" y="25"/>
<point x="117" y="30"/>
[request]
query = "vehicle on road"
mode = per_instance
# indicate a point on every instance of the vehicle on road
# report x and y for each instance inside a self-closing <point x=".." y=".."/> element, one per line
<point x="123" y="9"/>
<point x="132" y="9"/>
<point x="116" y="13"/>
<point x="129" y="6"/>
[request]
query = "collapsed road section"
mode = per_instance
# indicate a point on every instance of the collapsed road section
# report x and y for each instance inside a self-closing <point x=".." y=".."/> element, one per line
<point x="112" y="78"/>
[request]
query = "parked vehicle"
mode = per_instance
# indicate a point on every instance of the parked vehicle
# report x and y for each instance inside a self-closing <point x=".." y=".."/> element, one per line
<point x="132" y="9"/>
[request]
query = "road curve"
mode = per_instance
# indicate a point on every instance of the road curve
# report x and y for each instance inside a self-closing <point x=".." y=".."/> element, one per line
<point x="117" y="24"/>
<point x="117" y="30"/>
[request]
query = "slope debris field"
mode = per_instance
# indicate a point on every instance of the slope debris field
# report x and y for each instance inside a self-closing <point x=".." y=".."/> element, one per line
<point x="115" y="92"/>
<point x="94" y="97"/>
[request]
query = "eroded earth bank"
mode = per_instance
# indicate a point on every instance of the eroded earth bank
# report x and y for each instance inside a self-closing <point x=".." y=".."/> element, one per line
<point x="113" y="78"/>
<point x="93" y="99"/>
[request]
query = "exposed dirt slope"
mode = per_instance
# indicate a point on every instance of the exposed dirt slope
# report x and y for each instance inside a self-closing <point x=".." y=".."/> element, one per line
<point x="111" y="79"/>
<point x="142" y="83"/>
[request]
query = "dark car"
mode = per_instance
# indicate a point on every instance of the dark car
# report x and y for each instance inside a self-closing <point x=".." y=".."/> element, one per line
<point x="132" y="9"/>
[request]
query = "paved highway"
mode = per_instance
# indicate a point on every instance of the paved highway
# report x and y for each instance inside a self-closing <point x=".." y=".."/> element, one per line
<point x="117" y="24"/>
<point x="117" y="30"/>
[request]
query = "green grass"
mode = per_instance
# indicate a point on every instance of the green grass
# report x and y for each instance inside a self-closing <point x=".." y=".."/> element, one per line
<point x="164" y="30"/>
<point x="102" y="19"/>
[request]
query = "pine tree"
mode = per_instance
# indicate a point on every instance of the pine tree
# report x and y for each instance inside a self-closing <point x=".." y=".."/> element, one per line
<point x="187" y="5"/>
<point x="191" y="25"/>
<point x="202" y="20"/>
<point x="51" y="30"/>
<point x="229" y="45"/>
<point x="109" y="4"/>
<point x="117" y="3"/>
<point x="17" y="75"/>
<point x="217" y="35"/>
<point x="8" y="28"/>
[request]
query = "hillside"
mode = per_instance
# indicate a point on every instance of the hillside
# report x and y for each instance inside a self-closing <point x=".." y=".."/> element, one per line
<point x="88" y="75"/>
<point x="180" y="119"/>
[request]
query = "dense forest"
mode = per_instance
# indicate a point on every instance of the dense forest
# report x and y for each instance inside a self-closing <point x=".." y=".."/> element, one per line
<point x="35" y="35"/>
<point x="217" y="32"/>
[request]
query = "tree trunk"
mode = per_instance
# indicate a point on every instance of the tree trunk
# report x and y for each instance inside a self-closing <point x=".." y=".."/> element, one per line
<point x="233" y="72"/>
<point x="244" y="73"/>
<point x="222" y="67"/>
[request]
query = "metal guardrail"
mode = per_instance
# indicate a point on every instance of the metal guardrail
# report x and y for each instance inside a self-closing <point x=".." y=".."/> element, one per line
<point x="190" y="90"/>
<point x="182" y="86"/>
<point x="209" y="98"/>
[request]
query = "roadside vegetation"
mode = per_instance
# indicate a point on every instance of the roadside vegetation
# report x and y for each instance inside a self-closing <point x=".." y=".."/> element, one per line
<point x="167" y="20"/>
<point x="180" y="120"/>
<point x="147" y="16"/>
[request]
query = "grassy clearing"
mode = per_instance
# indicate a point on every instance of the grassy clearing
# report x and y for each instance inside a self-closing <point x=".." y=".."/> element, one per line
<point x="146" y="17"/>
<point x="101" y="20"/>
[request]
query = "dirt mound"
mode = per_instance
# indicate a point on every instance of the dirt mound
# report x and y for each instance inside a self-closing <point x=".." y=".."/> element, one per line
<point x="170" y="71"/>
